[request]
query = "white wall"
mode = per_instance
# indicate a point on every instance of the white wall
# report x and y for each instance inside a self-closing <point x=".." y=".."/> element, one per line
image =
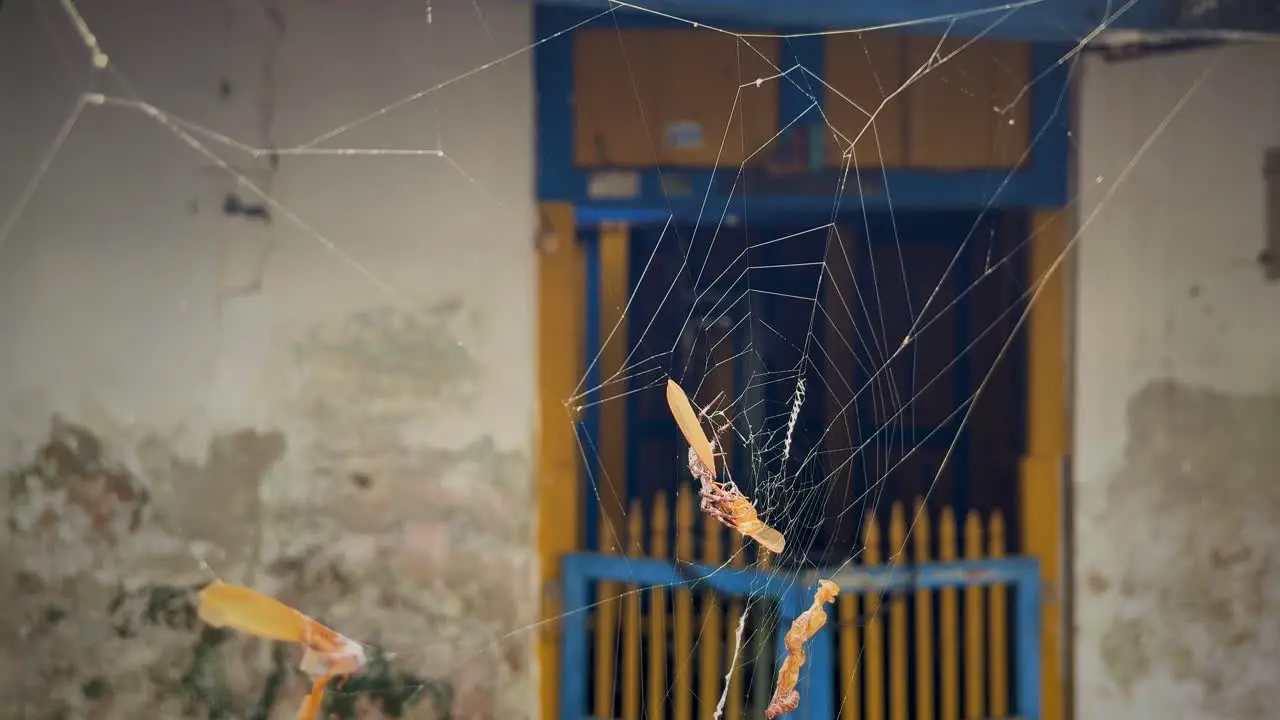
<point x="352" y="431"/>
<point x="1177" y="429"/>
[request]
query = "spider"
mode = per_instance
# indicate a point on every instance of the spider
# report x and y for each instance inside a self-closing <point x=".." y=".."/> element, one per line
<point x="726" y="503"/>
<point x="717" y="499"/>
<point x="722" y="501"/>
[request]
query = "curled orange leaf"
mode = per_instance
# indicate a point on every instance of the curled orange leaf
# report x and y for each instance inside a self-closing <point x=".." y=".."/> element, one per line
<point x="771" y="539"/>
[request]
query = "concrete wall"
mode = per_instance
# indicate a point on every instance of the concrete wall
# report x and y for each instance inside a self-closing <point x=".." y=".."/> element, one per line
<point x="348" y="428"/>
<point x="1177" y="415"/>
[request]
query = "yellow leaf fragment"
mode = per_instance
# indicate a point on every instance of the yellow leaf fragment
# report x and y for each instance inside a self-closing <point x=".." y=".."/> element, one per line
<point x="328" y="654"/>
<point x="248" y="611"/>
<point x="310" y="707"/>
<point x="687" y="420"/>
<point x="770" y="539"/>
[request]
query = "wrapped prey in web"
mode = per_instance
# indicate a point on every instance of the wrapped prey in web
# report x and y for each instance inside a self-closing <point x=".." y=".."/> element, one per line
<point x="723" y="501"/>
<point x="327" y="654"/>
<point x="785" y="696"/>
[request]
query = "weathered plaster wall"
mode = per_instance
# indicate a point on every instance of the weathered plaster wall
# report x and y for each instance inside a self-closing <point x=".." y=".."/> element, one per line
<point x="349" y="429"/>
<point x="1177" y="415"/>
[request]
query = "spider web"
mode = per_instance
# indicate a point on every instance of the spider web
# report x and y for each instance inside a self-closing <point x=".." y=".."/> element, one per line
<point x="824" y="327"/>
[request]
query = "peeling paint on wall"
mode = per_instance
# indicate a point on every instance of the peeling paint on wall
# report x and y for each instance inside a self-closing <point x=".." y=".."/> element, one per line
<point x="216" y="500"/>
<point x="85" y="535"/>
<point x="343" y="456"/>
<point x="386" y="511"/>
<point x="373" y="385"/>
<point x="1194" y="589"/>
<point x="71" y="503"/>
<point x="432" y="597"/>
<point x="414" y="526"/>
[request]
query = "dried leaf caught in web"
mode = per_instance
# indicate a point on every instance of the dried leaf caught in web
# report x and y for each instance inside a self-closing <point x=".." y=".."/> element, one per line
<point x="785" y="696"/>
<point x="328" y="653"/>
<point x="248" y="611"/>
<point x="690" y="427"/>
<point x="770" y="539"/>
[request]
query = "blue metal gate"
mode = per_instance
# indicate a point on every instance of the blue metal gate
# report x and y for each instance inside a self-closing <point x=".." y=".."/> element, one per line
<point x="794" y="593"/>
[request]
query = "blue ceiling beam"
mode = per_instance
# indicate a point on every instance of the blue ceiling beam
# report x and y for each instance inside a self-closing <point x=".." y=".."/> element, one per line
<point x="1039" y="20"/>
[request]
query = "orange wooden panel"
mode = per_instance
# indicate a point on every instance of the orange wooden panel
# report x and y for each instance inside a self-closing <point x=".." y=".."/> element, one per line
<point x="949" y="126"/>
<point x="957" y="103"/>
<point x="614" y="85"/>
<point x="864" y="72"/>
<point x="1011" y="92"/>
<point x="701" y="74"/>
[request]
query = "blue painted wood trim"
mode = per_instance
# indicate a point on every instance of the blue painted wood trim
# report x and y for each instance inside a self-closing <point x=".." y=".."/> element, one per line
<point x="1035" y="20"/>
<point x="574" y="639"/>
<point x="1027" y="629"/>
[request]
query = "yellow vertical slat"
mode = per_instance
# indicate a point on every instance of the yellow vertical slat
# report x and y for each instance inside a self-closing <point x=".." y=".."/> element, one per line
<point x="733" y="704"/>
<point x="1048" y="442"/>
<point x="682" y="689"/>
<point x="606" y="636"/>
<point x="924" y="620"/>
<point x="561" y="292"/>
<point x="873" y="651"/>
<point x="949" y="638"/>
<point x="897" y="621"/>
<point x="997" y="624"/>
<point x="607" y="595"/>
<point x="711" y="634"/>
<point x="631" y="621"/>
<point x="611" y="445"/>
<point x="611" y="482"/>
<point x="974" y="654"/>
<point x="656" y="678"/>
<point x="851" y="702"/>
<point x="1048" y="418"/>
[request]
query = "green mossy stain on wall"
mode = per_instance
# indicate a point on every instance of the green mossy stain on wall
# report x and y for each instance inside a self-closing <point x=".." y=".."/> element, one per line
<point x="391" y="689"/>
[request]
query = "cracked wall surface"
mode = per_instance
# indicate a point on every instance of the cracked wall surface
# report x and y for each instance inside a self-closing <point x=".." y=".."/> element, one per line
<point x="327" y="396"/>
<point x="1177" y="417"/>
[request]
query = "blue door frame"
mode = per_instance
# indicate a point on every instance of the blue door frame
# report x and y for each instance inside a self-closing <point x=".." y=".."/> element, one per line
<point x="795" y="593"/>
<point x="1040" y="182"/>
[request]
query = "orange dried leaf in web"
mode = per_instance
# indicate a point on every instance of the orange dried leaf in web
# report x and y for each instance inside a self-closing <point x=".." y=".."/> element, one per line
<point x="249" y="611"/>
<point x="785" y="696"/>
<point x="690" y="426"/>
<point x="311" y="704"/>
<point x="771" y="539"/>
<point x="328" y="653"/>
<point x="722" y="501"/>
<point x="744" y="518"/>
